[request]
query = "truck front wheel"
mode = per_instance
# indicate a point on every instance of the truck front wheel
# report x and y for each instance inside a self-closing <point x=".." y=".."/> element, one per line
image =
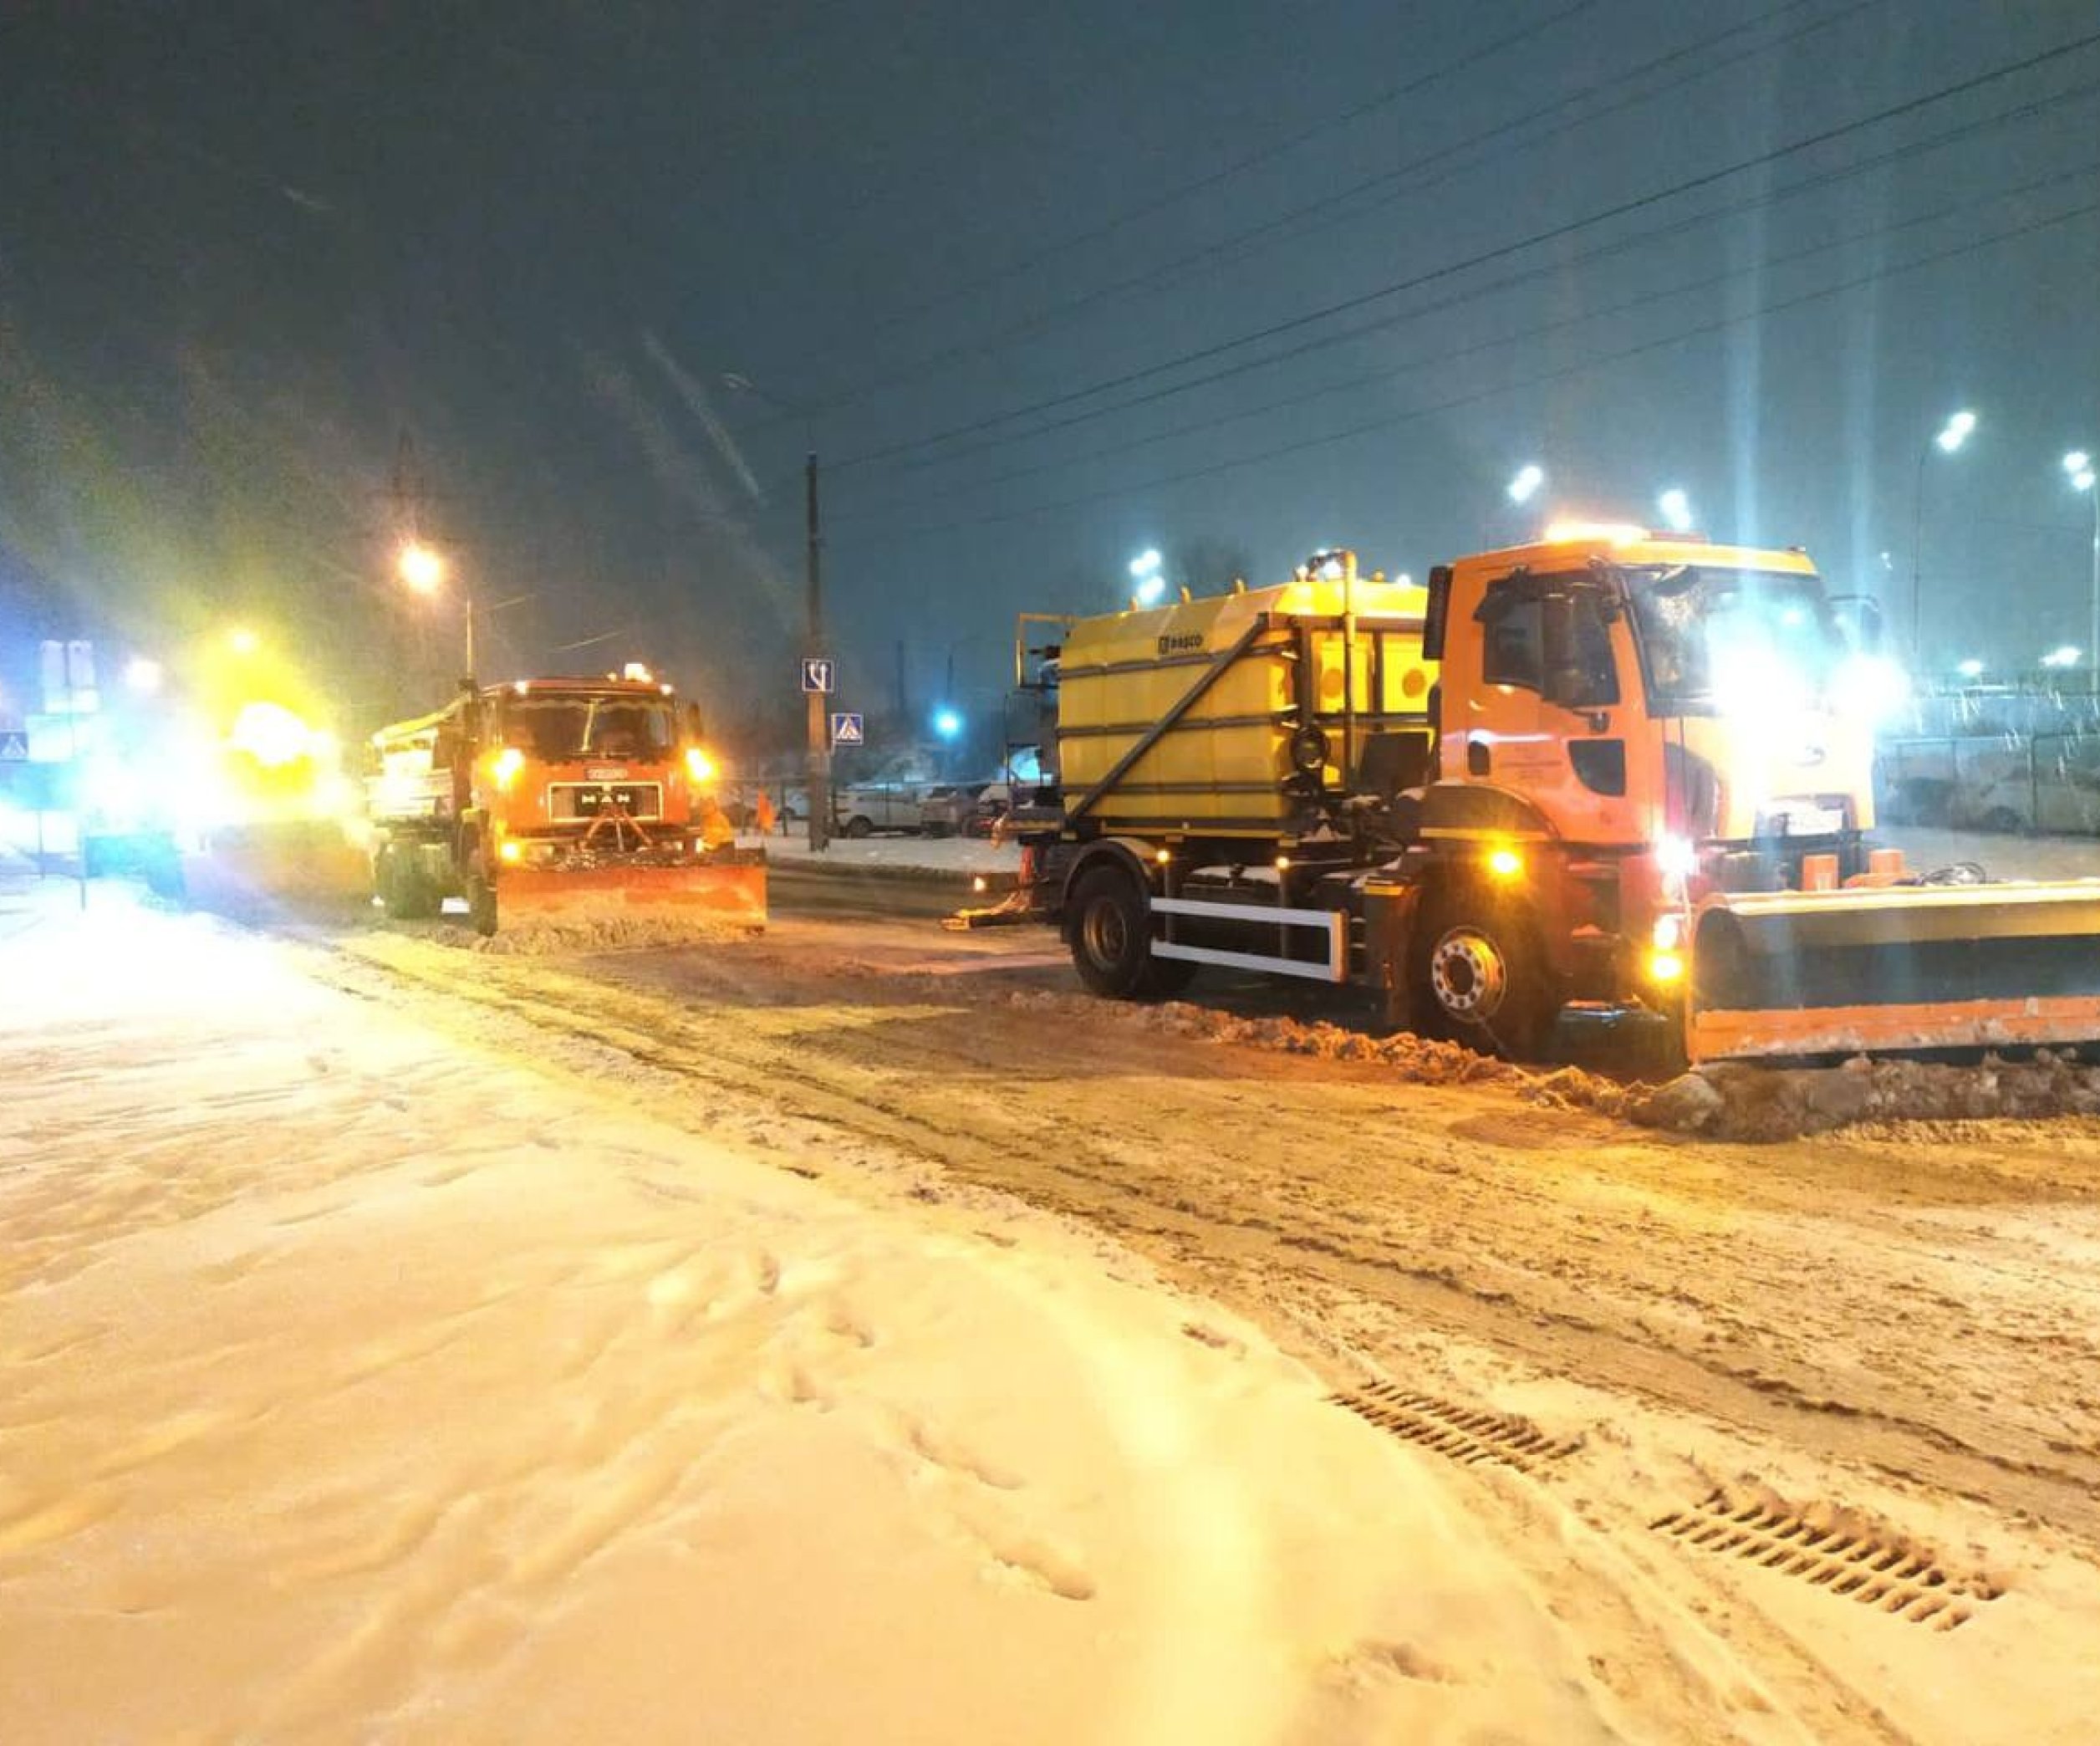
<point x="1107" y="930"/>
<point x="1482" y="978"/>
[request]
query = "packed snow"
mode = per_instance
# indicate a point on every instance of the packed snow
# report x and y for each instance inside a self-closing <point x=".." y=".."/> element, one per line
<point x="365" y="1382"/>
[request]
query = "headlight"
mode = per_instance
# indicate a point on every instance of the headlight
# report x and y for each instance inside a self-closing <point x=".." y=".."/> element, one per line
<point x="698" y="766"/>
<point x="1668" y="933"/>
<point x="1664" y="967"/>
<point x="1675" y="857"/>
<point x="505" y="766"/>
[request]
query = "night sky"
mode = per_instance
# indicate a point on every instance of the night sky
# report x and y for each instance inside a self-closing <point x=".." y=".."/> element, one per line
<point x="1044" y="285"/>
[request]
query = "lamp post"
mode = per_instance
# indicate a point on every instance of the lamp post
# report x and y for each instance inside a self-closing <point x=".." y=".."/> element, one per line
<point x="820" y="746"/>
<point x="2077" y="467"/>
<point x="424" y="570"/>
<point x="1950" y="438"/>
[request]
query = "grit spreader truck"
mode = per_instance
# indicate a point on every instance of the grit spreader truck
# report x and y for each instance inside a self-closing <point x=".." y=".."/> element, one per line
<point x="1613" y="772"/>
<point x="555" y="794"/>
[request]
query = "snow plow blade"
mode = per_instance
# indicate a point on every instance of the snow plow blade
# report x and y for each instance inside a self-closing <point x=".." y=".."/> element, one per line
<point x="729" y="887"/>
<point x="1895" y="969"/>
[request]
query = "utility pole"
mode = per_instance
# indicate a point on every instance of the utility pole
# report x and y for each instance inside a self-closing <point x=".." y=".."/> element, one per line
<point x="819" y="728"/>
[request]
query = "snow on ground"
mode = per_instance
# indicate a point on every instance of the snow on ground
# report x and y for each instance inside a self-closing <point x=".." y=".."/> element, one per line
<point x="366" y="1384"/>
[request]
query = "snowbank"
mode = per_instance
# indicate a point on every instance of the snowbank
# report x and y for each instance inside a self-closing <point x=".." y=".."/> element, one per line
<point x="365" y="1384"/>
<point x="947" y="855"/>
<point x="1739" y="1101"/>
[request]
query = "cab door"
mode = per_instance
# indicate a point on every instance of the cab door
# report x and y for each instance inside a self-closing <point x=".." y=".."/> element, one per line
<point x="1547" y="719"/>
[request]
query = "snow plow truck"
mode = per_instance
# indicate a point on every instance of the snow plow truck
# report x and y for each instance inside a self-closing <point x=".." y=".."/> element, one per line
<point x="1612" y="773"/>
<point x="550" y="795"/>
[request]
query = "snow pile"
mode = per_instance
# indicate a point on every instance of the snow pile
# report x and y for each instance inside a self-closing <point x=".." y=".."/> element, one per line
<point x="609" y="931"/>
<point x="1739" y="1101"/>
<point x="1410" y="1059"/>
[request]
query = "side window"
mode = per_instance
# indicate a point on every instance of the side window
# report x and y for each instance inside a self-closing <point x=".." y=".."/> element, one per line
<point x="1512" y="644"/>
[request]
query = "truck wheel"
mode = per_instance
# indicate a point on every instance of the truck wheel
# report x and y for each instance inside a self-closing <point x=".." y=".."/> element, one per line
<point x="404" y="894"/>
<point x="481" y="903"/>
<point x="1480" y="972"/>
<point x="858" y="827"/>
<point x="1107" y="930"/>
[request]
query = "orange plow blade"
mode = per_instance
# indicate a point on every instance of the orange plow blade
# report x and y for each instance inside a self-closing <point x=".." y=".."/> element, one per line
<point x="730" y="888"/>
<point x="1897" y="969"/>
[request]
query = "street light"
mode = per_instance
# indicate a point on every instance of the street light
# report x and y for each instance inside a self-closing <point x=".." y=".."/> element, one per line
<point x="2065" y="657"/>
<point x="1677" y="510"/>
<point x="1144" y="570"/>
<point x="2077" y="468"/>
<point x="947" y="723"/>
<point x="1969" y="669"/>
<point x="242" y="640"/>
<point x="1950" y="438"/>
<point x="1525" y="485"/>
<point x="142" y="675"/>
<point x="819" y="743"/>
<point x="423" y="571"/>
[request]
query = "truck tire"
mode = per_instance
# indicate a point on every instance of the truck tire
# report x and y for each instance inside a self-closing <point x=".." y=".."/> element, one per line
<point x="1480" y="974"/>
<point x="1107" y="931"/>
<point x="481" y="902"/>
<point x="404" y="894"/>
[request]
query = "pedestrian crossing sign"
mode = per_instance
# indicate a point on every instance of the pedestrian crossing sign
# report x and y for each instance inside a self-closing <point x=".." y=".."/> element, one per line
<point x="846" y="731"/>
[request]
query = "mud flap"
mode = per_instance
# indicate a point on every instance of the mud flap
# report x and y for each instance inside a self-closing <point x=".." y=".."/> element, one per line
<point x="1895" y="969"/>
<point x="730" y="887"/>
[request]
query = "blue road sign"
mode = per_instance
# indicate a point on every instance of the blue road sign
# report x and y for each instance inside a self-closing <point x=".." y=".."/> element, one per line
<point x="14" y="747"/>
<point x="846" y="731"/>
<point x="819" y="675"/>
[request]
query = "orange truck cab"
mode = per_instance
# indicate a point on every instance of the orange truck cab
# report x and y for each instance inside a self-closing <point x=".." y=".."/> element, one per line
<point x="552" y="794"/>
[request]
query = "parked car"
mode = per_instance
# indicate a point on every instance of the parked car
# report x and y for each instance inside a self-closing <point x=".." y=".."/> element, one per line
<point x="863" y="809"/>
<point x="950" y="809"/>
<point x="993" y="801"/>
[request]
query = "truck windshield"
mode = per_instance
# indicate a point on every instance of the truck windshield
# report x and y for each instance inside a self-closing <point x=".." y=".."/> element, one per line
<point x="555" y="728"/>
<point x="1724" y="641"/>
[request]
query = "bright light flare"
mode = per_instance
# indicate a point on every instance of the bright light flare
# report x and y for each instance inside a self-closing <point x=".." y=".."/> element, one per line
<point x="1505" y="862"/>
<point x="1676" y="510"/>
<point x="505" y="766"/>
<point x="422" y="569"/>
<point x="1665" y="967"/>
<point x="1969" y="669"/>
<point x="1956" y="431"/>
<point x="947" y="723"/>
<point x="2064" y="656"/>
<point x="1145" y="564"/>
<point x="1676" y="857"/>
<point x="700" y="768"/>
<point x="1525" y="485"/>
<point x="1617" y="533"/>
<point x="1871" y="687"/>
<point x="242" y="640"/>
<point x="1151" y="590"/>
<point x="270" y="734"/>
<point x="142" y="675"/>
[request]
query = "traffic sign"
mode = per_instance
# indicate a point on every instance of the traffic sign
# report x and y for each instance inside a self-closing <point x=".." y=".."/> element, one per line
<point x="846" y="731"/>
<point x="818" y="674"/>
<point x="14" y="748"/>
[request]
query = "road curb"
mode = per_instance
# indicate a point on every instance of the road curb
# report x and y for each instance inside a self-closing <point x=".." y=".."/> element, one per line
<point x="997" y="879"/>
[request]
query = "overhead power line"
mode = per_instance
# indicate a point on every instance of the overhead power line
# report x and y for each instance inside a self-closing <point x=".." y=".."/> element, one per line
<point x="1388" y="421"/>
<point x="1498" y="342"/>
<point x="1550" y="234"/>
<point x="1238" y="167"/>
<point x="1474" y="293"/>
<point x="1404" y="179"/>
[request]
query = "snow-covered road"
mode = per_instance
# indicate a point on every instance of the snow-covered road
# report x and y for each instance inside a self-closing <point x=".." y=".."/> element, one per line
<point x="368" y="1379"/>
